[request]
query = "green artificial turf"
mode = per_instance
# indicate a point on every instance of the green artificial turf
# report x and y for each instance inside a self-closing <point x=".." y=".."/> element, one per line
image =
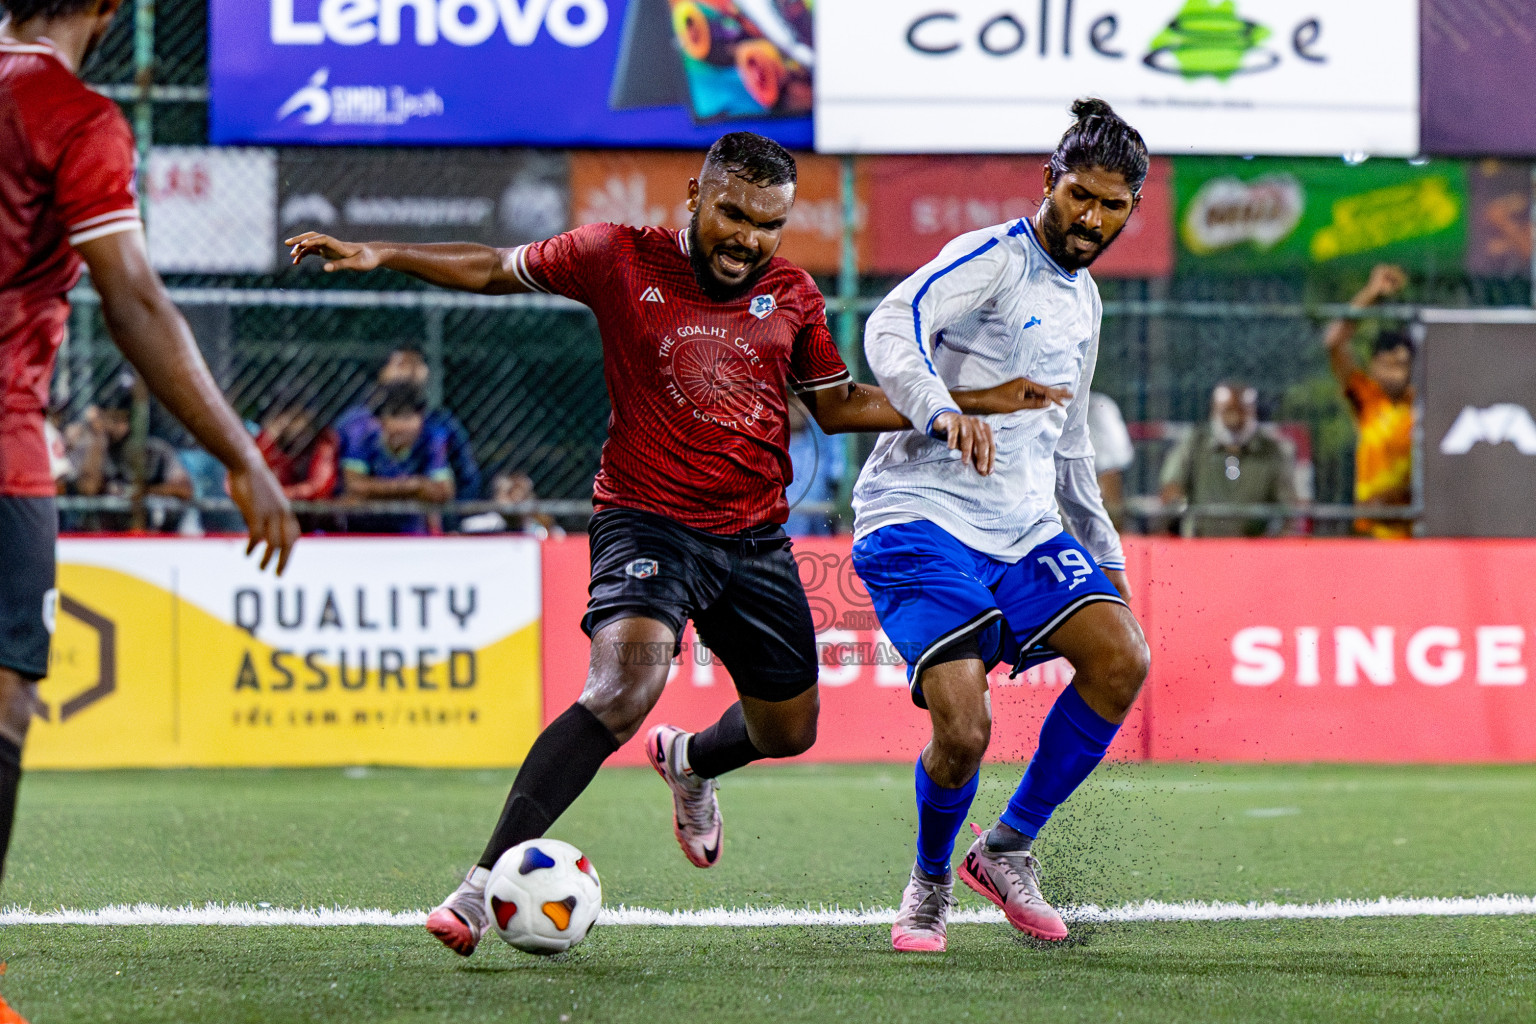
<point x="795" y="836"/>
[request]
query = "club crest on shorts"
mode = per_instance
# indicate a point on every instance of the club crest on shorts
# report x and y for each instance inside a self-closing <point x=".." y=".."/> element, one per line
<point x="642" y="568"/>
<point x="762" y="306"/>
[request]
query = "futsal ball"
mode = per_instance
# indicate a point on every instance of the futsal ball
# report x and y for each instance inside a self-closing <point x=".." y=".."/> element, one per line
<point x="543" y="896"/>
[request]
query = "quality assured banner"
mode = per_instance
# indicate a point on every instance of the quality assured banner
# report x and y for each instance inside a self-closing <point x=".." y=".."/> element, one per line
<point x="1255" y="216"/>
<point x="1195" y="76"/>
<point x="173" y="652"/>
<point x="513" y="72"/>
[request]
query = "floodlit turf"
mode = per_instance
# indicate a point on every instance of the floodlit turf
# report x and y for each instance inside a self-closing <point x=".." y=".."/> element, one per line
<point x="795" y="836"/>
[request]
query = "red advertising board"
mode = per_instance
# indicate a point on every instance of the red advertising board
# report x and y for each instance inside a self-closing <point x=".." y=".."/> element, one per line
<point x="866" y="714"/>
<point x="1262" y="650"/>
<point x="1298" y="650"/>
<point x="918" y="203"/>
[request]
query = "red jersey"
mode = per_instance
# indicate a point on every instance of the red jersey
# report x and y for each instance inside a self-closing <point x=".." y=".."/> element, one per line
<point x="66" y="177"/>
<point x="699" y="430"/>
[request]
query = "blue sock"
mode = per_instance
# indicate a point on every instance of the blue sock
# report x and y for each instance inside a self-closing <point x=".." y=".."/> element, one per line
<point x="1072" y="743"/>
<point x="940" y="813"/>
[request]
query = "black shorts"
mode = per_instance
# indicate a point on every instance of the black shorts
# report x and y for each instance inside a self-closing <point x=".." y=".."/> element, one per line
<point x="742" y="591"/>
<point x="29" y="533"/>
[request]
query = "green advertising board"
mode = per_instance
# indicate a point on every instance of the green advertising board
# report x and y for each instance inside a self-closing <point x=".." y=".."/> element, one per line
<point x="1265" y="215"/>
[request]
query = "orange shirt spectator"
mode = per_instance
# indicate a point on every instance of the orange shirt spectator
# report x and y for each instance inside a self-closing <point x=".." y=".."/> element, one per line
<point x="1381" y="402"/>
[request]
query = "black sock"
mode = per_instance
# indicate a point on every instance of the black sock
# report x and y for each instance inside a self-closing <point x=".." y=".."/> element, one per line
<point x="1006" y="839"/>
<point x="562" y="763"/>
<point x="10" y="778"/>
<point x="723" y="747"/>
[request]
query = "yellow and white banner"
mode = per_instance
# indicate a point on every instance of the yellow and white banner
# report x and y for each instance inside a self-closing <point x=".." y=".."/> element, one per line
<point x="173" y="652"/>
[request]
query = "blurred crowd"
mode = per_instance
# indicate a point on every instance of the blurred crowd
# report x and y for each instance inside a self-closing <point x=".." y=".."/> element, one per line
<point x="1232" y="475"/>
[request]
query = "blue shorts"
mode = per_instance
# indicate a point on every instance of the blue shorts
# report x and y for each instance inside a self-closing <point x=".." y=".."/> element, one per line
<point x="930" y="590"/>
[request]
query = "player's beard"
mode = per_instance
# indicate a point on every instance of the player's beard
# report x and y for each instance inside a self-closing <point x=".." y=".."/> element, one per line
<point x="1055" y="239"/>
<point x="705" y="274"/>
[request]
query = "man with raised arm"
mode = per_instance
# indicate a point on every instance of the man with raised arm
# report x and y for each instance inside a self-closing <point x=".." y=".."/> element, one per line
<point x="702" y="330"/>
<point x="67" y="198"/>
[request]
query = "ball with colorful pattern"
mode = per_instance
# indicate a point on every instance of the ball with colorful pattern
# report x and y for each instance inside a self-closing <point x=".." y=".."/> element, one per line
<point x="543" y="896"/>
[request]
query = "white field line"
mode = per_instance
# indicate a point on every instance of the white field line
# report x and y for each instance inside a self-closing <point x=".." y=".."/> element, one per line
<point x="248" y="916"/>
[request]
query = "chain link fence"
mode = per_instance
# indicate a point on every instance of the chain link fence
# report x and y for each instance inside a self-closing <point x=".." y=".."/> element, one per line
<point x="524" y="374"/>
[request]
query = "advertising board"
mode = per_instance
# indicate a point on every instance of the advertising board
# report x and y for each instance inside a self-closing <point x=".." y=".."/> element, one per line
<point x="1257" y="216"/>
<point x="1479" y="73"/>
<point x="175" y="652"/>
<point x="1479" y="427"/>
<point x="198" y="195"/>
<point x="647" y="187"/>
<point x="917" y="204"/>
<point x="1195" y="76"/>
<point x="508" y="72"/>
<point x="495" y="197"/>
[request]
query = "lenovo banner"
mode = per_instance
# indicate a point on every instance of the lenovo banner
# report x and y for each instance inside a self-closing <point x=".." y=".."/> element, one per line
<point x="1479" y="427"/>
<point x="515" y="72"/>
<point x="917" y="204"/>
<point x="1195" y="76"/>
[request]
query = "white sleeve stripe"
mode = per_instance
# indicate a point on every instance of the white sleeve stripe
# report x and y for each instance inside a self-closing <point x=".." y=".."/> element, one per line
<point x="116" y="227"/>
<point x="520" y="269"/>
<point x="126" y="214"/>
<point x="800" y="389"/>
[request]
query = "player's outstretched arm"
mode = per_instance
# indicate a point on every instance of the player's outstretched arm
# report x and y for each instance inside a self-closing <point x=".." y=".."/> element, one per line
<point x="1386" y="280"/>
<point x="155" y="338"/>
<point x="462" y="266"/>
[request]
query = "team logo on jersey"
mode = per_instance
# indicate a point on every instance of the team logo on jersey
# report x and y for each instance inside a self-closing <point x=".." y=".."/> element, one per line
<point x="652" y="294"/>
<point x="642" y="568"/>
<point x="1033" y="321"/>
<point x="762" y="306"/>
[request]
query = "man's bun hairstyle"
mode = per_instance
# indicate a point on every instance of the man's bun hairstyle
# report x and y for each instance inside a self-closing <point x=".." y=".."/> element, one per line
<point x="1101" y="138"/>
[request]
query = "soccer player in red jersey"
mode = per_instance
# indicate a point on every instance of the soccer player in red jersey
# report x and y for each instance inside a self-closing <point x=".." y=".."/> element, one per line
<point x="701" y="329"/>
<point x="67" y="198"/>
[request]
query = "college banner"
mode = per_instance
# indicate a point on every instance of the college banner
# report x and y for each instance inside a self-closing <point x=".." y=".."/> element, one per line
<point x="509" y="72"/>
<point x="180" y="653"/>
<point x="1479" y="73"/>
<point x="1195" y="76"/>
<point x="1258" y="216"/>
<point x="866" y="712"/>
<point x="499" y="197"/>
<point x="647" y="187"/>
<point x="1348" y="651"/>
<point x="917" y="204"/>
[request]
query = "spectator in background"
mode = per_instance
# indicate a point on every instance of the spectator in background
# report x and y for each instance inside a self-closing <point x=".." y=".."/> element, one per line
<point x="409" y="366"/>
<point x="400" y="459"/>
<point x="1381" y="402"/>
<point x="818" y="460"/>
<point x="304" y="457"/>
<point x="1113" y="453"/>
<point x="1229" y="461"/>
<point x="100" y="458"/>
<point x="512" y="489"/>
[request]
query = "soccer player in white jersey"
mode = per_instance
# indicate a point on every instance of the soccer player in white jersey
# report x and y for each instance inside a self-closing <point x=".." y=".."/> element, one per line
<point x="967" y="571"/>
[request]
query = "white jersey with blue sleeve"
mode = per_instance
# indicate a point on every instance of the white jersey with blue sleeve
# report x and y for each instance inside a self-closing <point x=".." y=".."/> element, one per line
<point x="991" y="307"/>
